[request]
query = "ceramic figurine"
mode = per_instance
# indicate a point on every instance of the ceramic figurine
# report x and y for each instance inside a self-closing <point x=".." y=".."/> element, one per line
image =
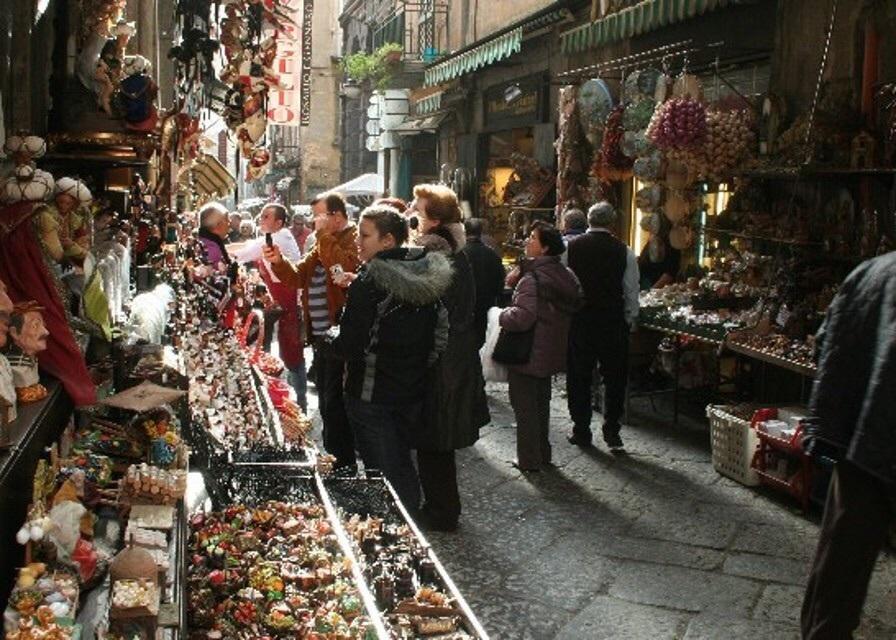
<point x="68" y="221"/>
<point x="7" y="389"/>
<point x="29" y="337"/>
<point x="137" y="94"/>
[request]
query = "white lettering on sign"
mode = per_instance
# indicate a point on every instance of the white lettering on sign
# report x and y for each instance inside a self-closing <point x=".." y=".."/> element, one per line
<point x="284" y="101"/>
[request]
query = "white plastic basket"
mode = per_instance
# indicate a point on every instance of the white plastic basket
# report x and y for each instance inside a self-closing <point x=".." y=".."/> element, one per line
<point x="733" y="445"/>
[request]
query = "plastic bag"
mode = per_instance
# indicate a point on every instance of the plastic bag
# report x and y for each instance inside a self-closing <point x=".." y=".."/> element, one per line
<point x="492" y="371"/>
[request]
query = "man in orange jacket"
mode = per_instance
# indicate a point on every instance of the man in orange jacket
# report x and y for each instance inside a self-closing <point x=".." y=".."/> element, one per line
<point x="315" y="276"/>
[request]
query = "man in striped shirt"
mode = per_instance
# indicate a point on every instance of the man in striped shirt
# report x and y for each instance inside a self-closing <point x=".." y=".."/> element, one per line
<point x="315" y="276"/>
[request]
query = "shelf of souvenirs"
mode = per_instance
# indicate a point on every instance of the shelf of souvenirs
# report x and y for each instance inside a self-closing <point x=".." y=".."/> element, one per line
<point x="374" y="574"/>
<point x="104" y="535"/>
<point x="816" y="171"/>
<point x="775" y="349"/>
<point x="709" y="335"/>
<point x="36" y="424"/>
<point x="749" y="236"/>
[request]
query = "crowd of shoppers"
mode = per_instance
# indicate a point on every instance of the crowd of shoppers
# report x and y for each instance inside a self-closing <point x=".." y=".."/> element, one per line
<point x="395" y="312"/>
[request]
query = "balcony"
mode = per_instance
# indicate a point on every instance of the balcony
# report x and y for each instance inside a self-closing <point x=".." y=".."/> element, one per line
<point x="419" y="27"/>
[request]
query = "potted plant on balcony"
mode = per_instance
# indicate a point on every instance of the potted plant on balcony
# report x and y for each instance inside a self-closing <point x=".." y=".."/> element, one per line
<point x="377" y="68"/>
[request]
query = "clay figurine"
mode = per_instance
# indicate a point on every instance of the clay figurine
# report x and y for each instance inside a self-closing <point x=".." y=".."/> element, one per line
<point x="137" y="94"/>
<point x="29" y="337"/>
<point x="7" y="389"/>
<point x="64" y="227"/>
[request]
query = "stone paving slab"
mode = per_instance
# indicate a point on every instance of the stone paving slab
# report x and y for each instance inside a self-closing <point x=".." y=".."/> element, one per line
<point x="716" y="627"/>
<point x="780" y="603"/>
<point x="770" y="569"/>
<point x="607" y="618"/>
<point x="684" y="589"/>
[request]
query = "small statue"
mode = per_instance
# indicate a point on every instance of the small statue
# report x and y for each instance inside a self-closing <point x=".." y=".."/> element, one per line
<point x="137" y="95"/>
<point x="7" y="388"/>
<point x="64" y="227"/>
<point x="29" y="336"/>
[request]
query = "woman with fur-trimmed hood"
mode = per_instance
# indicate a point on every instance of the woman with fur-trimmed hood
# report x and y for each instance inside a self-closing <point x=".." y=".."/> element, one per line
<point x="392" y="331"/>
<point x="456" y="406"/>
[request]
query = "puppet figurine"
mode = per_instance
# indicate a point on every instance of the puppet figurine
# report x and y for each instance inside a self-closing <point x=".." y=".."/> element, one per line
<point x="29" y="337"/>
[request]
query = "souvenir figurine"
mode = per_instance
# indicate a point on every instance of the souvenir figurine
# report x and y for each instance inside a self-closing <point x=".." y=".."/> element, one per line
<point x="7" y="389"/>
<point x="137" y="94"/>
<point x="65" y="227"/>
<point x="29" y="337"/>
<point x="28" y="228"/>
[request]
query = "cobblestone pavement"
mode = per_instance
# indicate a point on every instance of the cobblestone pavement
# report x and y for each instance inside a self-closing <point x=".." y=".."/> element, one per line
<point x="650" y="545"/>
<point x="653" y="544"/>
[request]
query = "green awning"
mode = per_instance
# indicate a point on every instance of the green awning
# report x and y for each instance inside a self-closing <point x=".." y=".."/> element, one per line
<point x="484" y="55"/>
<point x="645" y="16"/>
<point x="429" y="104"/>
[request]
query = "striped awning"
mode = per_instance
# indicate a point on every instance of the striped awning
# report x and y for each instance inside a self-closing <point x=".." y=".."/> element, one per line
<point x="484" y="55"/>
<point x="429" y="104"/>
<point x="643" y="17"/>
<point x="208" y="176"/>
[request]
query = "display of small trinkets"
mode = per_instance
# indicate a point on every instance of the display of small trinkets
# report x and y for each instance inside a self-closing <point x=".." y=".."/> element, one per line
<point x="223" y="395"/>
<point x="276" y="569"/>
<point x="404" y="579"/>
<point x="41" y="597"/>
<point x="164" y="437"/>
<point x="147" y="483"/>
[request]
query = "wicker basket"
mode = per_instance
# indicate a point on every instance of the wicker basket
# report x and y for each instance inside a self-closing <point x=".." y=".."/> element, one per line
<point x="733" y="445"/>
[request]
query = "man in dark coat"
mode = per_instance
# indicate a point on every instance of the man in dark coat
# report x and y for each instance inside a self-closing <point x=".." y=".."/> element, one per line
<point x="608" y="272"/>
<point x="853" y="401"/>
<point x="392" y="330"/>
<point x="488" y="274"/>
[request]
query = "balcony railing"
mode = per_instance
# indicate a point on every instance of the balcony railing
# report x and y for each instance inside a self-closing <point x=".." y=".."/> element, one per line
<point x="419" y="27"/>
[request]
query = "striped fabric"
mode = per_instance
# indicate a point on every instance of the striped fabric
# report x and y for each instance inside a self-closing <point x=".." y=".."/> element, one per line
<point x="318" y="309"/>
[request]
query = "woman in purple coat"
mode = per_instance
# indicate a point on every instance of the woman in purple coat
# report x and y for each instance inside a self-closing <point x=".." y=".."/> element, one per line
<point x="545" y="296"/>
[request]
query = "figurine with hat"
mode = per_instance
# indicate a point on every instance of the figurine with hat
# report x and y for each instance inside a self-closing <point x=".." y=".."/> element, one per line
<point x="30" y="231"/>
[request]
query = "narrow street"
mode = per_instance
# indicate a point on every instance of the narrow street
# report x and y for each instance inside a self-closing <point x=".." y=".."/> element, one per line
<point x="650" y="544"/>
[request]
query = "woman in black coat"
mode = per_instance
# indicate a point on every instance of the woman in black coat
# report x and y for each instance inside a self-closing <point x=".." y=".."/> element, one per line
<point x="455" y="406"/>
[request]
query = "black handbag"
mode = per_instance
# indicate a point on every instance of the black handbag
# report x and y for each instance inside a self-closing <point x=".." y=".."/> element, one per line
<point x="515" y="347"/>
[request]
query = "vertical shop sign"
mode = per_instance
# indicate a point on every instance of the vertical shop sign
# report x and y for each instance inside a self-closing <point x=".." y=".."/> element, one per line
<point x="222" y="147"/>
<point x="307" y="20"/>
<point x="283" y="100"/>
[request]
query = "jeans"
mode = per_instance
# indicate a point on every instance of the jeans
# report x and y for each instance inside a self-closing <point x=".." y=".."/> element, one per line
<point x="299" y="382"/>
<point x="338" y="437"/>
<point x="383" y="435"/>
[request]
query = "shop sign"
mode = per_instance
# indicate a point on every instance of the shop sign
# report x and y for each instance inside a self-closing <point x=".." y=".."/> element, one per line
<point x="284" y="102"/>
<point x="515" y="104"/>
<point x="307" y="23"/>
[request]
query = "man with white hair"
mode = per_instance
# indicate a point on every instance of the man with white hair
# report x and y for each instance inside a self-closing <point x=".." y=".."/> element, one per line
<point x="608" y="271"/>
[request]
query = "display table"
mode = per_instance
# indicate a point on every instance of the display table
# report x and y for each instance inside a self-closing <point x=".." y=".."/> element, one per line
<point x="37" y="426"/>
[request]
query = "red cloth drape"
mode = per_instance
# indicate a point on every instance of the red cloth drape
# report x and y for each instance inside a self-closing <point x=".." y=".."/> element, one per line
<point x="28" y="277"/>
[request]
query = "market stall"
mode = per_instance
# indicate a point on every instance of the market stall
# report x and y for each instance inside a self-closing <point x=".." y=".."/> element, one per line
<point x="745" y="218"/>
